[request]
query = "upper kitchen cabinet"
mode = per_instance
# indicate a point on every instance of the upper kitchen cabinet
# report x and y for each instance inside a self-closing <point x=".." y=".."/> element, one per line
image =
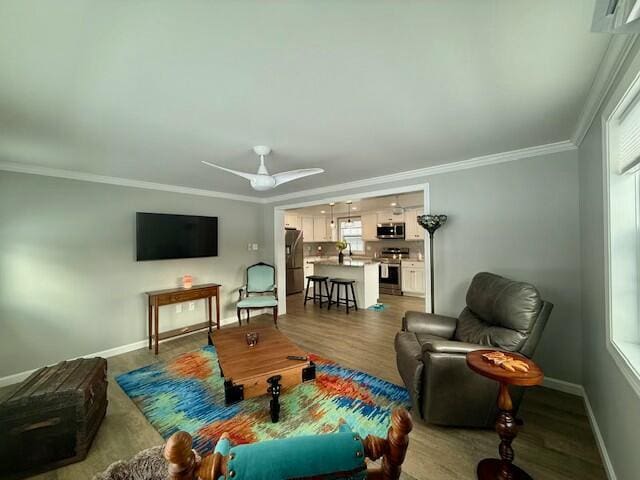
<point x="307" y="229"/>
<point x="413" y="230"/>
<point x="369" y="226"/>
<point x="388" y="216"/>
<point x="321" y="231"/>
<point x="292" y="221"/>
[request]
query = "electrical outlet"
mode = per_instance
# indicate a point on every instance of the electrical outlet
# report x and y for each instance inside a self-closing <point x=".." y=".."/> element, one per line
<point x="192" y="306"/>
<point x="179" y="308"/>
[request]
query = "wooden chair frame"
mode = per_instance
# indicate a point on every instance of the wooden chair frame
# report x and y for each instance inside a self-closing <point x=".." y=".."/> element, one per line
<point x="185" y="464"/>
<point x="243" y="292"/>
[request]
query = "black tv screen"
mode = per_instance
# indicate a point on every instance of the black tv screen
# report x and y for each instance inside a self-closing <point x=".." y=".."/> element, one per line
<point x="162" y="236"/>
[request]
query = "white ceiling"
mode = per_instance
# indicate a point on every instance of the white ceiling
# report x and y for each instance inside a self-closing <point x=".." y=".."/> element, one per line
<point x="358" y="205"/>
<point x="146" y="90"/>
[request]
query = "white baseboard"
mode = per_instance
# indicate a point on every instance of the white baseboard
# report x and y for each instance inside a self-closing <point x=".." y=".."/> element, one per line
<point x="563" y="386"/>
<point x="608" y="465"/>
<point x="112" y="352"/>
<point x="579" y="390"/>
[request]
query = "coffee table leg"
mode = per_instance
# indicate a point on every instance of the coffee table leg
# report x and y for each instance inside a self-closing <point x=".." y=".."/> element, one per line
<point x="274" y="390"/>
<point x="503" y="468"/>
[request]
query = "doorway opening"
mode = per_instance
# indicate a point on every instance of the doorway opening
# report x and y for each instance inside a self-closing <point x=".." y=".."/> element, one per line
<point x="378" y="228"/>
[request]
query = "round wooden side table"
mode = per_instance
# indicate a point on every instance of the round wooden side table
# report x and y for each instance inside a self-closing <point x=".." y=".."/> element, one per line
<point x="503" y="468"/>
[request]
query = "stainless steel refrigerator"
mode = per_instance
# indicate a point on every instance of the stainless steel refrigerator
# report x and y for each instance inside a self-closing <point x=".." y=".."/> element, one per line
<point x="295" y="260"/>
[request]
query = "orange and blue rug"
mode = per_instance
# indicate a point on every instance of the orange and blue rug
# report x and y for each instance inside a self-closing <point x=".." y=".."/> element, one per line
<point x="187" y="393"/>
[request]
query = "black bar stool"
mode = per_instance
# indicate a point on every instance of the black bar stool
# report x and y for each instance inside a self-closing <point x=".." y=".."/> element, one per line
<point x="346" y="301"/>
<point x="318" y="282"/>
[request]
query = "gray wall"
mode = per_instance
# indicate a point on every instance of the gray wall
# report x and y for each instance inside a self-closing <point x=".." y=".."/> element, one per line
<point x="69" y="282"/>
<point x="614" y="403"/>
<point x="518" y="219"/>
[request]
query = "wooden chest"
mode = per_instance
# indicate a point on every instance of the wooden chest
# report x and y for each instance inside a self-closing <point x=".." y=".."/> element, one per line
<point x="51" y="418"/>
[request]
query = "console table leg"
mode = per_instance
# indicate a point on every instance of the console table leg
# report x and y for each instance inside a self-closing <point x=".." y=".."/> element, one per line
<point x="150" y="308"/>
<point x="218" y="310"/>
<point x="209" y="317"/>
<point x="156" y="314"/>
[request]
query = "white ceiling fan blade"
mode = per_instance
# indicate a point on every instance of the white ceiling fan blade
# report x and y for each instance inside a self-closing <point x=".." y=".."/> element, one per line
<point x="248" y="176"/>
<point x="285" y="177"/>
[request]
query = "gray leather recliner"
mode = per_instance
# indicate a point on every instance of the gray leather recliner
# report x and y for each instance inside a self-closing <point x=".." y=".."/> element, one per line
<point x="431" y="350"/>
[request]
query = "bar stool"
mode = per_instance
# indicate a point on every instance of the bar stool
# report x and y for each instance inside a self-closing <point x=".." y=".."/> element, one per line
<point x="346" y="301"/>
<point x="318" y="282"/>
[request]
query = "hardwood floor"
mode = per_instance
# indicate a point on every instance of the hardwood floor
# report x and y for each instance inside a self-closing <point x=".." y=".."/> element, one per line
<point x="556" y="441"/>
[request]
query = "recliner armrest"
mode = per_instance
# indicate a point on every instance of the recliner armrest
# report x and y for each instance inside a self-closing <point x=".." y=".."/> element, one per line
<point x="450" y="346"/>
<point x="429" y="323"/>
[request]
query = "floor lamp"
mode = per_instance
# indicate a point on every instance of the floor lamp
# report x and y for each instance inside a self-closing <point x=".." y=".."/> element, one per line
<point x="431" y="223"/>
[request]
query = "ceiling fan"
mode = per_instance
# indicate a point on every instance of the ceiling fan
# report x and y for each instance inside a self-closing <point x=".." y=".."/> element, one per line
<point x="262" y="180"/>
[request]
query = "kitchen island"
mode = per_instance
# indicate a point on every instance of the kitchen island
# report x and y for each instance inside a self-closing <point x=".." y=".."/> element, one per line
<point x="364" y="272"/>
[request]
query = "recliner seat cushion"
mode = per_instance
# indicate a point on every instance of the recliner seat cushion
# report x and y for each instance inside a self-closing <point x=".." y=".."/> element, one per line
<point x="499" y="312"/>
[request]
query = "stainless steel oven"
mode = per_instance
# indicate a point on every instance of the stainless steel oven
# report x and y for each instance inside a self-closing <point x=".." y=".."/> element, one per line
<point x="390" y="277"/>
<point x="390" y="231"/>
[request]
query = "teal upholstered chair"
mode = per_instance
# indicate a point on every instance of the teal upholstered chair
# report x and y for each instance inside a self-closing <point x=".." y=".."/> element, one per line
<point x="259" y="292"/>
<point x="335" y="455"/>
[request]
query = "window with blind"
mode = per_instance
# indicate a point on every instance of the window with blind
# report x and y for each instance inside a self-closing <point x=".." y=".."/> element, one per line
<point x="351" y="232"/>
<point x="628" y="157"/>
<point x="622" y="213"/>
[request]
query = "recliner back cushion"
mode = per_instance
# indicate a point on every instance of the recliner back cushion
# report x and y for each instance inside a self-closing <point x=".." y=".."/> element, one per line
<point x="499" y="312"/>
<point x="471" y="329"/>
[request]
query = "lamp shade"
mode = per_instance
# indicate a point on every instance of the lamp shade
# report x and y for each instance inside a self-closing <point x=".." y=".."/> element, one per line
<point x="431" y="223"/>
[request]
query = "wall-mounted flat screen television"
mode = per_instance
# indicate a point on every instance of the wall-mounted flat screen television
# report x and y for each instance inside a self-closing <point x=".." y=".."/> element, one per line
<point x="162" y="236"/>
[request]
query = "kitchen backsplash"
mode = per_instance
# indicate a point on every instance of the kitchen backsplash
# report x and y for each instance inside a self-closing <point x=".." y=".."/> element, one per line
<point x="371" y="248"/>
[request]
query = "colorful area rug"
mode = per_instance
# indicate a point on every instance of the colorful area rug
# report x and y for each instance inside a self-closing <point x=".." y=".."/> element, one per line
<point x="187" y="393"/>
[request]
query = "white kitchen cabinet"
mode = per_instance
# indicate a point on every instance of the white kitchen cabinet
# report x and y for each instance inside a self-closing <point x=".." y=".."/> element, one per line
<point x="388" y="216"/>
<point x="413" y="230"/>
<point x="292" y="221"/>
<point x="320" y="229"/>
<point x="369" y="226"/>
<point x="308" y="270"/>
<point x="413" y="278"/>
<point x="307" y="229"/>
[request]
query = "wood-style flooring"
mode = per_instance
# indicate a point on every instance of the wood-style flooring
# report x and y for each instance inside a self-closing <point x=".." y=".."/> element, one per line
<point x="556" y="441"/>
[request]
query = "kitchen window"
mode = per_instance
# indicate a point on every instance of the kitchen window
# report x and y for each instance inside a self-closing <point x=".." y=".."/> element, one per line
<point x="351" y="232"/>
<point x="622" y="184"/>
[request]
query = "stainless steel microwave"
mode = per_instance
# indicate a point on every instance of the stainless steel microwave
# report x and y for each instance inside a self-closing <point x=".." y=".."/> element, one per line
<point x="390" y="230"/>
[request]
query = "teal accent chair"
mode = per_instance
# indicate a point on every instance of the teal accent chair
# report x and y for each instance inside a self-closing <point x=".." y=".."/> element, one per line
<point x="336" y="455"/>
<point x="259" y="292"/>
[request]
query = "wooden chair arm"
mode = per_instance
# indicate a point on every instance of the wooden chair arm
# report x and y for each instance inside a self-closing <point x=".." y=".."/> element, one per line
<point x="185" y="464"/>
<point x="242" y="292"/>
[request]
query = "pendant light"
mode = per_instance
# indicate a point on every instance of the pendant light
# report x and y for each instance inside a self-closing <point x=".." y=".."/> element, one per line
<point x="332" y="223"/>
<point x="349" y="211"/>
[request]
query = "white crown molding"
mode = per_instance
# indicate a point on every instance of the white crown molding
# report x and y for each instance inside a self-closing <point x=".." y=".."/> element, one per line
<point x="619" y="47"/>
<point x="122" y="182"/>
<point x="435" y="170"/>
<point x="394" y="177"/>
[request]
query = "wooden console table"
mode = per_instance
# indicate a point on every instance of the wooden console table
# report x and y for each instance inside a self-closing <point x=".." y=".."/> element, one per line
<point x="170" y="296"/>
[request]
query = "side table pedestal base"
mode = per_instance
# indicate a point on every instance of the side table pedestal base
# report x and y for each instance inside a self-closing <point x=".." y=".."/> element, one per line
<point x="490" y="469"/>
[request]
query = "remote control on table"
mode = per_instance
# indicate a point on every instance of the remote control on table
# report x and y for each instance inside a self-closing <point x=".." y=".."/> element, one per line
<point x="296" y="357"/>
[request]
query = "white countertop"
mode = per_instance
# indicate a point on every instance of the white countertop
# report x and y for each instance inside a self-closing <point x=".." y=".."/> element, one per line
<point x="347" y="263"/>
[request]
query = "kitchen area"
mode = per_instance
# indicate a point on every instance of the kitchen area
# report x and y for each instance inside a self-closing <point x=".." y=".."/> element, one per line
<point x="384" y="251"/>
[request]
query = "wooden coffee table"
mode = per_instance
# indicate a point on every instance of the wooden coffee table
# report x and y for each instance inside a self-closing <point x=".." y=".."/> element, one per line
<point x="247" y="370"/>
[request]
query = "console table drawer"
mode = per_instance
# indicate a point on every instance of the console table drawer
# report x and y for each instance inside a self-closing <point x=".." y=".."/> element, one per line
<point x="185" y="296"/>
